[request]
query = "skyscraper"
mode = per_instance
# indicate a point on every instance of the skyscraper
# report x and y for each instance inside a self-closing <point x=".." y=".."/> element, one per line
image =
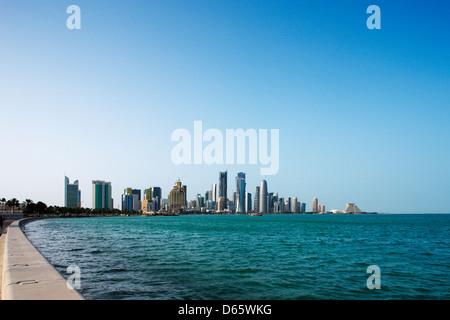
<point x="240" y="192"/>
<point x="256" y="201"/>
<point x="295" y="205"/>
<point x="263" y="196"/>
<point x="315" y="205"/>
<point x="156" y="197"/>
<point x="303" y="207"/>
<point x="101" y="195"/>
<point x="223" y="187"/>
<point x="177" y="198"/>
<point x="131" y="200"/>
<point x="214" y="192"/>
<point x="248" y="202"/>
<point x="72" y="194"/>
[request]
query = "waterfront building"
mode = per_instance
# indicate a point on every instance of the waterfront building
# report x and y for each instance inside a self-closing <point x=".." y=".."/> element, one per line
<point x="221" y="204"/>
<point x="240" y="192"/>
<point x="295" y="208"/>
<point x="223" y="186"/>
<point x="248" y="202"/>
<point x="315" y="205"/>
<point x="72" y="194"/>
<point x="199" y="202"/>
<point x="214" y="192"/>
<point x="131" y="200"/>
<point x="282" y="205"/>
<point x="148" y="206"/>
<point x="148" y="194"/>
<point x="177" y="198"/>
<point x="210" y="205"/>
<point x="263" y="197"/>
<point x="256" y="200"/>
<point x="157" y="197"/>
<point x="101" y="195"/>
<point x="352" y="208"/>
<point x="303" y="207"/>
<point x="289" y="204"/>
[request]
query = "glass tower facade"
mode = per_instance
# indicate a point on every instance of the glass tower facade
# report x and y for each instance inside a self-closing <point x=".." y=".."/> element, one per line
<point x="101" y="195"/>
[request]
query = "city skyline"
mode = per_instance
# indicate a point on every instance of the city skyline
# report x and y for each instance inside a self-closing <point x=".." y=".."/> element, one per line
<point x="362" y="114"/>
<point x="133" y="199"/>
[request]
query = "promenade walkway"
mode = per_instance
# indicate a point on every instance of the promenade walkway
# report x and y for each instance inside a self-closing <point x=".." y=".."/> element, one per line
<point x="24" y="273"/>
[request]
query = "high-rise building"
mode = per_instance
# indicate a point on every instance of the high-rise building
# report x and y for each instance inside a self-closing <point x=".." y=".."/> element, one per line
<point x="131" y="200"/>
<point x="248" y="202"/>
<point x="214" y="192"/>
<point x="263" y="199"/>
<point x="177" y="198"/>
<point x="256" y="201"/>
<point x="199" y="202"/>
<point x="221" y="204"/>
<point x="157" y="197"/>
<point x="240" y="192"/>
<point x="303" y="207"/>
<point x="72" y="194"/>
<point x="148" y="194"/>
<point x="223" y="186"/>
<point x="282" y="205"/>
<point x="101" y="195"/>
<point x="294" y="205"/>
<point x="315" y="205"/>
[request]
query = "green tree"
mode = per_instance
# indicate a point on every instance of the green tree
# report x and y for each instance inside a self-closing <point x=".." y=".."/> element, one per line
<point x="3" y="201"/>
<point x="14" y="203"/>
<point x="40" y="207"/>
<point x="9" y="203"/>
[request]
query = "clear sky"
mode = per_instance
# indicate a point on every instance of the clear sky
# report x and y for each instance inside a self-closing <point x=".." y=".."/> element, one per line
<point x="363" y="114"/>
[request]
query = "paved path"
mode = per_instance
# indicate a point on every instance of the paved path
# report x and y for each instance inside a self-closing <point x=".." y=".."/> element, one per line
<point x="3" y="232"/>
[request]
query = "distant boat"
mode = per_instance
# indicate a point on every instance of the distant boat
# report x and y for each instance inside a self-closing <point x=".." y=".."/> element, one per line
<point x="255" y="214"/>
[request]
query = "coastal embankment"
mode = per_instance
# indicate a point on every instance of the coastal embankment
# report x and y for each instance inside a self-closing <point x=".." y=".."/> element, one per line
<point x="25" y="274"/>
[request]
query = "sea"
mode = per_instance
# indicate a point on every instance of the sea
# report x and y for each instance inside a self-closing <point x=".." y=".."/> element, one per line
<point x="241" y="257"/>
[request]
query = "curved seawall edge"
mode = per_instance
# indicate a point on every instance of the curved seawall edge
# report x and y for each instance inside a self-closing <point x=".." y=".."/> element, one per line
<point x="26" y="274"/>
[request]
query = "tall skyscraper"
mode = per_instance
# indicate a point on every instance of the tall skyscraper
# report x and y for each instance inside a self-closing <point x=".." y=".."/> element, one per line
<point x="157" y="197"/>
<point x="256" y="201"/>
<point x="101" y="195"/>
<point x="177" y="198"/>
<point x="315" y="205"/>
<point x="248" y="202"/>
<point x="214" y="192"/>
<point x="240" y="192"/>
<point x="148" y="194"/>
<point x="131" y="200"/>
<point x="303" y="207"/>
<point x="72" y="194"/>
<point x="263" y="196"/>
<point x="223" y="187"/>
<point x="294" y="205"/>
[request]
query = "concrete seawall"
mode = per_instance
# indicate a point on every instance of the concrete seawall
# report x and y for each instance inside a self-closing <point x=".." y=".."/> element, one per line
<point x="26" y="274"/>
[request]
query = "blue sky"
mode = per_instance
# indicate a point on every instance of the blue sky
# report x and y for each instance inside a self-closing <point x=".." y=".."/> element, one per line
<point x="363" y="114"/>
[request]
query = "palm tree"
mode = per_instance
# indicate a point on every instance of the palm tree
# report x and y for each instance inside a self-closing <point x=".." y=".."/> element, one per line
<point x="9" y="203"/>
<point x="12" y="203"/>
<point x="15" y="203"/>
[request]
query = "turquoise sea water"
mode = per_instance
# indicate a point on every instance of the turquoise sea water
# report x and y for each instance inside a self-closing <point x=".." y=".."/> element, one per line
<point x="236" y="257"/>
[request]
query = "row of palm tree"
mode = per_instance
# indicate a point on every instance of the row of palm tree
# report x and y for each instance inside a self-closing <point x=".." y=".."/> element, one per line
<point x="12" y="203"/>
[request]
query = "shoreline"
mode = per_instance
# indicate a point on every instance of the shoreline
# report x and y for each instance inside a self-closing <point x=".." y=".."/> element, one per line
<point x="25" y="272"/>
